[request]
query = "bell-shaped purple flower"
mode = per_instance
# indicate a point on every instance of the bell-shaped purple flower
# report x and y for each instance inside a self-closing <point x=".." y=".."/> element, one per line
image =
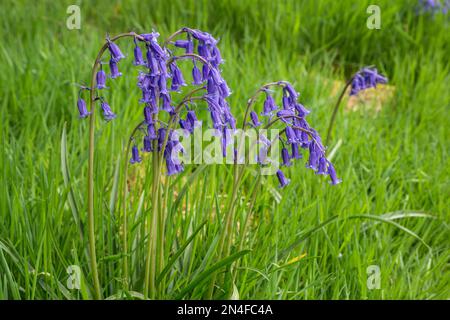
<point x="254" y="118"/>
<point x="151" y="132"/>
<point x="101" y="79"/>
<point x="107" y="113"/>
<point x="82" y="108"/>
<point x="301" y="110"/>
<point x="332" y="173"/>
<point x="196" y="76"/>
<point x="322" y="166"/>
<point x="138" y="57"/>
<point x="295" y="151"/>
<point x="148" y="144"/>
<point x="282" y="179"/>
<point x="313" y="160"/>
<point x="177" y="77"/>
<point x="135" y="155"/>
<point x="290" y="135"/>
<point x="285" y="157"/>
<point x="114" y="69"/>
<point x="148" y="115"/>
<point x="114" y="49"/>
<point x="269" y="105"/>
<point x="192" y="118"/>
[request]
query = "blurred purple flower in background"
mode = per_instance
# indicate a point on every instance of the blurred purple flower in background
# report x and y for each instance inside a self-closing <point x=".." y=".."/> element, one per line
<point x="366" y="78"/>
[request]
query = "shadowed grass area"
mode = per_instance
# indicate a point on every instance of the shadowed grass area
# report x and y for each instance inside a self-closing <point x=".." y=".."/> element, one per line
<point x="308" y="241"/>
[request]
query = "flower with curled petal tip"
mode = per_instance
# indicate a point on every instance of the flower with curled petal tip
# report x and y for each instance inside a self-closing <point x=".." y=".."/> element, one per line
<point x="135" y="158"/>
<point x="334" y="179"/>
<point x="282" y="179"/>
<point x="295" y="151"/>
<point x="114" y="69"/>
<point x="255" y="120"/>
<point x="101" y="79"/>
<point x="114" y="49"/>
<point x="290" y="135"/>
<point x="285" y="157"/>
<point x="196" y="75"/>
<point x="107" y="113"/>
<point x="138" y="58"/>
<point x="269" y="105"/>
<point x="82" y="108"/>
<point x="147" y="144"/>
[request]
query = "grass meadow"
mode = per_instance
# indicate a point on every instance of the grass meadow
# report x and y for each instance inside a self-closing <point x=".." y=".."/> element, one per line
<point x="309" y="240"/>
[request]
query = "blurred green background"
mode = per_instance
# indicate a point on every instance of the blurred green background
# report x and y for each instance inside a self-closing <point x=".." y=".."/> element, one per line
<point x="395" y="160"/>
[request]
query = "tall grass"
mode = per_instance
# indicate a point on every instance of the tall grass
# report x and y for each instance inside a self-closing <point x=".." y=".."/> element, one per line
<point x="309" y="241"/>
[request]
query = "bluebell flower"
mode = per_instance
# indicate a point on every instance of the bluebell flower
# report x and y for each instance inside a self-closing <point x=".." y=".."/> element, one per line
<point x="148" y="115"/>
<point x="107" y="113"/>
<point x="196" y="75"/>
<point x="332" y="173"/>
<point x="269" y="105"/>
<point x="282" y="179"/>
<point x="147" y="144"/>
<point x="322" y="166"/>
<point x="366" y="78"/>
<point x="285" y="157"/>
<point x="101" y="79"/>
<point x="114" y="49"/>
<point x="138" y="58"/>
<point x="82" y="108"/>
<point x="135" y="155"/>
<point x="295" y="151"/>
<point x="151" y="131"/>
<point x="177" y="77"/>
<point x="254" y="118"/>
<point x="290" y="135"/>
<point x="114" y="69"/>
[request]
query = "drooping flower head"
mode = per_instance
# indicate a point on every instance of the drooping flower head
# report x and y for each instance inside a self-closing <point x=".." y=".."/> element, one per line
<point x="82" y="108"/>
<point x="366" y="78"/>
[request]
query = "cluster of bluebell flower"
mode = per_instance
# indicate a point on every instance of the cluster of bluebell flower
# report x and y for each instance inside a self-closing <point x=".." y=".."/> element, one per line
<point x="160" y="68"/>
<point x="296" y="134"/>
<point x="434" y="6"/>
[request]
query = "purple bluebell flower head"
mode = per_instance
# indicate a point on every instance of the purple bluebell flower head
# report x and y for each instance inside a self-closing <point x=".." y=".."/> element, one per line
<point x="82" y="108"/>
<point x="114" y="49"/>
<point x="285" y="157"/>
<point x="161" y="137"/>
<point x="269" y="105"/>
<point x="282" y="179"/>
<point x="177" y="77"/>
<point x="254" y="118"/>
<point x="196" y="76"/>
<point x="290" y="135"/>
<point x="114" y="69"/>
<point x="295" y="151"/>
<point x="148" y="115"/>
<point x="301" y="110"/>
<point x="322" y="166"/>
<point x="286" y="115"/>
<point x="313" y="160"/>
<point x="151" y="132"/>
<point x="138" y="58"/>
<point x="101" y="79"/>
<point x="107" y="113"/>
<point x="332" y="173"/>
<point x="135" y="155"/>
<point x="192" y="118"/>
<point x="148" y="144"/>
<point x="366" y="78"/>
